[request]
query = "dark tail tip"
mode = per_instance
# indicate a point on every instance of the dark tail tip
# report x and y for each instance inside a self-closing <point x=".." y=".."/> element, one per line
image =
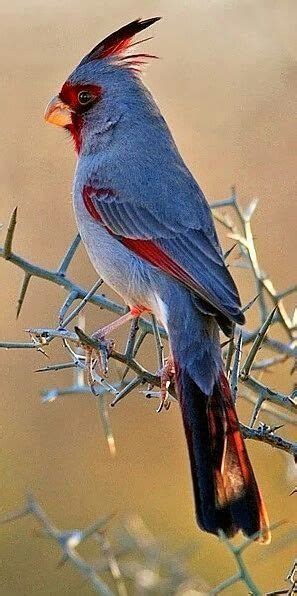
<point x="225" y="490"/>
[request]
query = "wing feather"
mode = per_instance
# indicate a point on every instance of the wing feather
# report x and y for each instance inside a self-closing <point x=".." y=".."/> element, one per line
<point x="187" y="253"/>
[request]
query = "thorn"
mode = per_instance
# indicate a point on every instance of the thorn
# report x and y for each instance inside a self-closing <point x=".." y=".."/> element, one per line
<point x="69" y="256"/>
<point x="132" y="385"/>
<point x="55" y="367"/>
<point x="257" y="408"/>
<point x="236" y="366"/>
<point x="81" y="305"/>
<point x="228" y="252"/>
<point x="23" y="291"/>
<point x="229" y="355"/>
<point x="225" y="343"/>
<point x="265" y="429"/>
<point x="276" y="427"/>
<point x="69" y="300"/>
<point x="256" y="345"/>
<point x="250" y="303"/>
<point x="42" y="351"/>
<point x="9" y="235"/>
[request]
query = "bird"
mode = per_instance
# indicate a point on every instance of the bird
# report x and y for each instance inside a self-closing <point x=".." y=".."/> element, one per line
<point x="149" y="233"/>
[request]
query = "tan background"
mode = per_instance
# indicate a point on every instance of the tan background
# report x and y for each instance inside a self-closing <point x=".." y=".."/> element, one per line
<point x="226" y="83"/>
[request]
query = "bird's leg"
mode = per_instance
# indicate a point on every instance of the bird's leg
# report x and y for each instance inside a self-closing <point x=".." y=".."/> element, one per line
<point x="101" y="333"/>
<point x="106" y="345"/>
<point x="166" y="374"/>
<point x="103" y="350"/>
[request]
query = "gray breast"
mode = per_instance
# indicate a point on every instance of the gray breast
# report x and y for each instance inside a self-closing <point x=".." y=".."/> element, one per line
<point x="126" y="273"/>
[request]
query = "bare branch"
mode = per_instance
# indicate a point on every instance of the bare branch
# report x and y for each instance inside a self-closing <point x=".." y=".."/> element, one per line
<point x="80" y="306"/>
<point x="236" y="366"/>
<point x="69" y="255"/>
<point x="67" y="541"/>
<point x="265" y="434"/>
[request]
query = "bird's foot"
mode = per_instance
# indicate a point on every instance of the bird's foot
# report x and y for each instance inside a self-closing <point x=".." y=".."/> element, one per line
<point x="105" y="346"/>
<point x="103" y="352"/>
<point x="97" y="345"/>
<point x="97" y="351"/>
<point x="166" y="374"/>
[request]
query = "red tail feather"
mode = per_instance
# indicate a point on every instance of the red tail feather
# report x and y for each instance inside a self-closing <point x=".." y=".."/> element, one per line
<point x="236" y="470"/>
<point x="225" y="489"/>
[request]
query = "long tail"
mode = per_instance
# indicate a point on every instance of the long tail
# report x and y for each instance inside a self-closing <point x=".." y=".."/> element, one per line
<point x="225" y="489"/>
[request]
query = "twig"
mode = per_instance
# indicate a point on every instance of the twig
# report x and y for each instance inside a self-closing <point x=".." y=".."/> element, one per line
<point x="72" y="296"/>
<point x="266" y="435"/>
<point x="158" y="342"/>
<point x="128" y="389"/>
<point x="256" y="346"/>
<point x="235" y="369"/>
<point x="242" y="574"/>
<point x="69" y="255"/>
<point x="67" y="541"/>
<point x="80" y="306"/>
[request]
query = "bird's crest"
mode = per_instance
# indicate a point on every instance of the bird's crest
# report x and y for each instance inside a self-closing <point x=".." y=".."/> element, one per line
<point x="115" y="44"/>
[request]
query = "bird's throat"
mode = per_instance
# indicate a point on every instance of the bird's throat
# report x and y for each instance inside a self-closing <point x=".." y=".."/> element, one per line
<point x="75" y="129"/>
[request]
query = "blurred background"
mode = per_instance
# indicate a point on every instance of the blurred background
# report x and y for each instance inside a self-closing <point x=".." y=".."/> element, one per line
<point x="226" y="83"/>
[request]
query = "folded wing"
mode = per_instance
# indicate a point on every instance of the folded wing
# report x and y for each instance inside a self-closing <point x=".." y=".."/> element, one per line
<point x="188" y="253"/>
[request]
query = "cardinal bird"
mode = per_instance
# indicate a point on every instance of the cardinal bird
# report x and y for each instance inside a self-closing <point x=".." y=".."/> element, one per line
<point x="149" y="233"/>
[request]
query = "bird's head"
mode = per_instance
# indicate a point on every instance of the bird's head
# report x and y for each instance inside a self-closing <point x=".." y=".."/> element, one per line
<point x="102" y="87"/>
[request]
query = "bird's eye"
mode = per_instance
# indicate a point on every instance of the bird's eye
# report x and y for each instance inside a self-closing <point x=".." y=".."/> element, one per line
<point x="84" y="98"/>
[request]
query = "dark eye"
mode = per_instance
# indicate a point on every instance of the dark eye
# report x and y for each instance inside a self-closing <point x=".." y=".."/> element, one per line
<point x="85" y="97"/>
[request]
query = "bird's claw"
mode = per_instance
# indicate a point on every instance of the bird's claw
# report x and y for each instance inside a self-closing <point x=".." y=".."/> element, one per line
<point x="97" y="351"/>
<point x="166" y="374"/>
<point x="103" y="352"/>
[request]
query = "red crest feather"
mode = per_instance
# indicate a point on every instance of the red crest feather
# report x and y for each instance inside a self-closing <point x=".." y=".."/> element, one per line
<point x="117" y="42"/>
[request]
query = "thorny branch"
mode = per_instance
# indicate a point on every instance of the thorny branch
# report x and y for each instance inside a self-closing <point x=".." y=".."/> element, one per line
<point x="132" y="557"/>
<point x="243" y="574"/>
<point x="66" y="540"/>
<point x="243" y="377"/>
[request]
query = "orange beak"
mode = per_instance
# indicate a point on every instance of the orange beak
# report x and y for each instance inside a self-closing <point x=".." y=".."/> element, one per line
<point x="58" y="113"/>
